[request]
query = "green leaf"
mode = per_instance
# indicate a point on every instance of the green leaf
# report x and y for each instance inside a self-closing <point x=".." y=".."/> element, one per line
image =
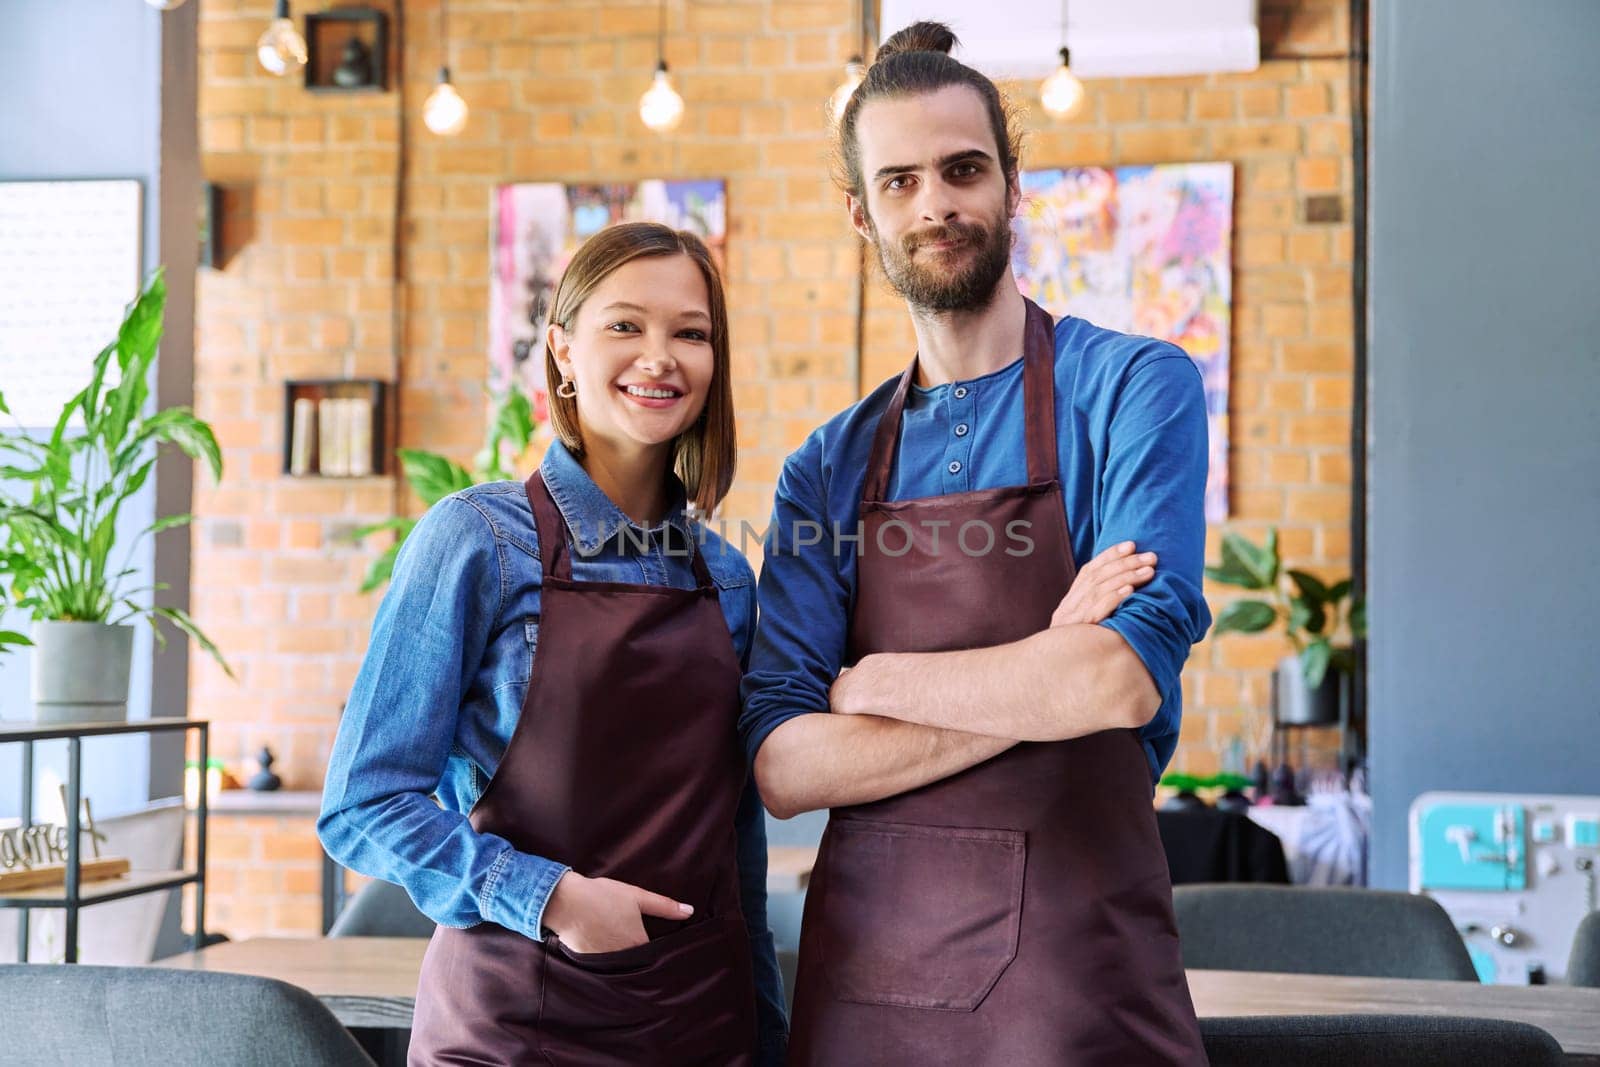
<point x="432" y="476"/>
<point x="1308" y="615"/>
<point x="1358" y="620"/>
<point x="182" y="621"/>
<point x="79" y="402"/>
<point x="34" y="524"/>
<point x="89" y="399"/>
<point x="1314" y="661"/>
<point x="168" y="522"/>
<point x="140" y="333"/>
<point x="1340" y="590"/>
<point x="3" y="409"/>
<point x="1310" y="587"/>
<point x="1245" y="617"/>
<point x="193" y="436"/>
<point x="382" y="569"/>
<point x="399" y="524"/>
<point x="1231" y="576"/>
<point x="10" y="639"/>
<point x="136" y="482"/>
<point x="513" y="423"/>
<point x="1260" y="564"/>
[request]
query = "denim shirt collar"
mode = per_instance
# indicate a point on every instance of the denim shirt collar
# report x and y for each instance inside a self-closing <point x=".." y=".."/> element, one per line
<point x="593" y="520"/>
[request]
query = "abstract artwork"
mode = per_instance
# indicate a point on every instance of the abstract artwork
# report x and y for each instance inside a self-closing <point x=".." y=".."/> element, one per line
<point x="537" y="228"/>
<point x="1145" y="250"/>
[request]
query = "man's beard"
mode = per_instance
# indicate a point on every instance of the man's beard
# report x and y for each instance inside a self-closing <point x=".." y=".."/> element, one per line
<point x="931" y="287"/>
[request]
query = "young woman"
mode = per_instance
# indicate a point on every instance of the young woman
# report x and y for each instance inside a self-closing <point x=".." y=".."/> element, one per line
<point x="558" y="663"/>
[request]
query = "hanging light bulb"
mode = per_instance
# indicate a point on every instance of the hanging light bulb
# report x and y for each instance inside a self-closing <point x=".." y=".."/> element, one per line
<point x="854" y="71"/>
<point x="281" y="49"/>
<point x="444" y="112"/>
<point x="661" y="108"/>
<point x="1062" y="92"/>
<point x="164" y="5"/>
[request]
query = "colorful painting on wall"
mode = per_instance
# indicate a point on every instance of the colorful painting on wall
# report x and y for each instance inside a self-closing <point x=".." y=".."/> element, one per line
<point x="537" y="228"/>
<point x="1144" y="250"/>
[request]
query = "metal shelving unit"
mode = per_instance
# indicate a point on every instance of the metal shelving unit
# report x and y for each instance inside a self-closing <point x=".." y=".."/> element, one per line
<point x="75" y="896"/>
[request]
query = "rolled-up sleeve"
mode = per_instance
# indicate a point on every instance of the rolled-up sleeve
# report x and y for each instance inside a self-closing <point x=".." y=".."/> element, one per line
<point x="805" y="601"/>
<point x="378" y="813"/>
<point x="1153" y="493"/>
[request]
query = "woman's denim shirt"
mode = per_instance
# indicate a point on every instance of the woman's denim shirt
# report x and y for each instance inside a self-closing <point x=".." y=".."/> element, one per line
<point x="441" y="689"/>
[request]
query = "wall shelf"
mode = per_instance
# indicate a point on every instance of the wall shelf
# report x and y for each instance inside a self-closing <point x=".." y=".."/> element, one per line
<point x="337" y="428"/>
<point x="76" y="895"/>
<point x="327" y="35"/>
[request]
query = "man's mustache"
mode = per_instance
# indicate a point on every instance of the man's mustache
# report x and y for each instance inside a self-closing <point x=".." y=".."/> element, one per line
<point x="960" y="232"/>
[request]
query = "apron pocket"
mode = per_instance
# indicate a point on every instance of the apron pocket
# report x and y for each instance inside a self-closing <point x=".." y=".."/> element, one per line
<point x="920" y="916"/>
<point x="632" y="959"/>
<point x="686" y="997"/>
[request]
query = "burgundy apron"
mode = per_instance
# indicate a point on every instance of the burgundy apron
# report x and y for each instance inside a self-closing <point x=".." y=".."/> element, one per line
<point x="1019" y="912"/>
<point x="625" y="764"/>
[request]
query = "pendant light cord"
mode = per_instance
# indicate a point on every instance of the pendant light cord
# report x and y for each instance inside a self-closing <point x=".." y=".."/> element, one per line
<point x="444" y="34"/>
<point x="661" y="35"/>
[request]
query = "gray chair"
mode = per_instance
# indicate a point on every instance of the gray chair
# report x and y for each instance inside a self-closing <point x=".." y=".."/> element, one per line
<point x="1375" y="1041"/>
<point x="381" y="910"/>
<point x="1583" y="966"/>
<point x="1301" y="930"/>
<point x="75" y="1015"/>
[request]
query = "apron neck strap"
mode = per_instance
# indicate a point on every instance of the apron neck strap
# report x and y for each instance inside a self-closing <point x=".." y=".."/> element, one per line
<point x="1038" y="405"/>
<point x="555" y="550"/>
<point x="555" y="554"/>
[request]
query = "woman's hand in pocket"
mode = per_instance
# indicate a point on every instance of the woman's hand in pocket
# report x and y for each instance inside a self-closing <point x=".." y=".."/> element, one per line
<point x="604" y="915"/>
<point x="1103" y="583"/>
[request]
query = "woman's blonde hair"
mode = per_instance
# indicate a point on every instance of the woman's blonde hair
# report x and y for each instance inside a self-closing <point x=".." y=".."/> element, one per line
<point x="705" y="455"/>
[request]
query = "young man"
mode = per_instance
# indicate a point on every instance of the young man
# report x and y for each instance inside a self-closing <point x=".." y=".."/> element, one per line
<point x="976" y="899"/>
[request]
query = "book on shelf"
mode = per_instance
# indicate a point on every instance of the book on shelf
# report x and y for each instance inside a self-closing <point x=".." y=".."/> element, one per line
<point x="303" y="437"/>
<point x="333" y="438"/>
<point x="358" y="423"/>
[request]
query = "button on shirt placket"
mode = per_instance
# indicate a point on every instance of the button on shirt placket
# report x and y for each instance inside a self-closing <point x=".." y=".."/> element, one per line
<point x="961" y="404"/>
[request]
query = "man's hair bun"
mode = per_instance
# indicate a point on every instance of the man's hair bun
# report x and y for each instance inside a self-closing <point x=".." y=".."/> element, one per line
<point x="918" y="37"/>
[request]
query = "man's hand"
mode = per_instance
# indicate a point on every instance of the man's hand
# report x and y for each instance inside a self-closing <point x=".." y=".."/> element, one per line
<point x="604" y="915"/>
<point x="1103" y="583"/>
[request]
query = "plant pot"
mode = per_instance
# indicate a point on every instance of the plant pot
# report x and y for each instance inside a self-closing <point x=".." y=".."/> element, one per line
<point x="80" y="671"/>
<point x="1297" y="704"/>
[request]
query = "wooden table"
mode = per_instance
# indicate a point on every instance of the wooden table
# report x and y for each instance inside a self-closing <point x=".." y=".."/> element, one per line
<point x="789" y="867"/>
<point x="372" y="981"/>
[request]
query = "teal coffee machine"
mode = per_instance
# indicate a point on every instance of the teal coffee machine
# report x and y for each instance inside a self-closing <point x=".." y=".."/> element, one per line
<point x="1516" y="872"/>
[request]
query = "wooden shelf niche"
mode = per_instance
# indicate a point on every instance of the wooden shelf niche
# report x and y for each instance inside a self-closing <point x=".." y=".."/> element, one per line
<point x="336" y="428"/>
<point x="364" y="31"/>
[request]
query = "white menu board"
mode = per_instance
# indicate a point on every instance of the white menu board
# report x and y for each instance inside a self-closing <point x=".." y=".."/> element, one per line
<point x="69" y="266"/>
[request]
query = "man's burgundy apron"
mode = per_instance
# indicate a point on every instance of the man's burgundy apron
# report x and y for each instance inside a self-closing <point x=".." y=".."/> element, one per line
<point x="1019" y="912"/>
<point x="625" y="764"/>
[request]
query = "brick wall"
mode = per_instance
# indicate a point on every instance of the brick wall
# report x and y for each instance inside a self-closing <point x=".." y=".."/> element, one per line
<point x="309" y="291"/>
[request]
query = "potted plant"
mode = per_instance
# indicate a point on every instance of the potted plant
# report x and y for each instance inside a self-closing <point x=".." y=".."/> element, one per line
<point x="60" y="497"/>
<point x="1312" y="614"/>
<point x="433" y="477"/>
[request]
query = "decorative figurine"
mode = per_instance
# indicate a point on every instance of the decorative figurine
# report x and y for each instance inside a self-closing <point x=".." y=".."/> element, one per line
<point x="355" y="66"/>
<point x="265" y="781"/>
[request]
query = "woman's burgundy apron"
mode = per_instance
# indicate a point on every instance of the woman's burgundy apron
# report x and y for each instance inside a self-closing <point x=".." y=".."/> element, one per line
<point x="1019" y="912"/>
<point x="624" y="764"/>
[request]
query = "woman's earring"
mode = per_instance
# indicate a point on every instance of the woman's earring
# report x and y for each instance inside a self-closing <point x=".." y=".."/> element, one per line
<point x="567" y="389"/>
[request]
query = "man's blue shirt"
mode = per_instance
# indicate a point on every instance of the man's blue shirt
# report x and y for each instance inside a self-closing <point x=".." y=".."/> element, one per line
<point x="1132" y="446"/>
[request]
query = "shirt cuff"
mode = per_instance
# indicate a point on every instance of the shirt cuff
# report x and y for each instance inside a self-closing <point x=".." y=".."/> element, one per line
<point x="517" y="891"/>
<point x="1149" y="651"/>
